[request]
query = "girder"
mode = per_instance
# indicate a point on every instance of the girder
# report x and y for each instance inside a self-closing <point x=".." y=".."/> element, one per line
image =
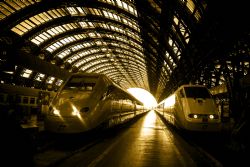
<point x="170" y="42"/>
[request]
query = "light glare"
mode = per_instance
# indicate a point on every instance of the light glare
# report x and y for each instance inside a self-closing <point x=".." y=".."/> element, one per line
<point x="56" y="112"/>
<point x="144" y="96"/>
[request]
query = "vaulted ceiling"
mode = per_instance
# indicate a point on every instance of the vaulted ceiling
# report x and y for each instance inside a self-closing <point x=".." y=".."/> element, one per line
<point x="156" y="45"/>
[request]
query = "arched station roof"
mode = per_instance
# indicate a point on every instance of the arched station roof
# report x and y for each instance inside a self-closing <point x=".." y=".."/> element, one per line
<point x="156" y="45"/>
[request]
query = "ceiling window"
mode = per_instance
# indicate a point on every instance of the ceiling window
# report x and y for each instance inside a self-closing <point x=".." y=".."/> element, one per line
<point x="59" y="82"/>
<point x="39" y="77"/>
<point x="26" y="73"/>
<point x="50" y="80"/>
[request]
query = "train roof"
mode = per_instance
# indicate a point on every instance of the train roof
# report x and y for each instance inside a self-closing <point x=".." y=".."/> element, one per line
<point x="119" y="92"/>
<point x="180" y="87"/>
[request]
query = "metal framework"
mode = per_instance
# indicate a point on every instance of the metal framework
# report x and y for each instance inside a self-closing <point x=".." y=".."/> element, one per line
<point x="152" y="44"/>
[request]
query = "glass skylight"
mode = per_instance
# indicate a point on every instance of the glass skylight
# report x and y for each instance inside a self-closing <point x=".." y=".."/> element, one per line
<point x="26" y="73"/>
<point x="39" y="77"/>
<point x="50" y="80"/>
<point x="9" y="7"/>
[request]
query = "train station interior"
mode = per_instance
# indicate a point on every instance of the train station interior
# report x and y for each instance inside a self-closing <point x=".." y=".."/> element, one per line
<point x="155" y="45"/>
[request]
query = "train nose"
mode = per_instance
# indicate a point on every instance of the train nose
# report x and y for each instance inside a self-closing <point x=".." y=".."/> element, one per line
<point x="68" y="109"/>
<point x="70" y="105"/>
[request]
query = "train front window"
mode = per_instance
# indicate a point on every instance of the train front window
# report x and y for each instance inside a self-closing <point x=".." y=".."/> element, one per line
<point x="79" y="83"/>
<point x="197" y="92"/>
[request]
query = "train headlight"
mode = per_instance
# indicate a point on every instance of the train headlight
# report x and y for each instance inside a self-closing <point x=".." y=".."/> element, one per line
<point x="193" y="116"/>
<point x="211" y="116"/>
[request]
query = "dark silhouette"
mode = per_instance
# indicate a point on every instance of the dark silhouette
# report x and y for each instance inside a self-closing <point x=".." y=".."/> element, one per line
<point x="16" y="145"/>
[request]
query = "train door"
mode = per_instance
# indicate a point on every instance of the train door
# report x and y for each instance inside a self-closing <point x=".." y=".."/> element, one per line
<point x="179" y="107"/>
<point x="179" y="99"/>
<point x="43" y="101"/>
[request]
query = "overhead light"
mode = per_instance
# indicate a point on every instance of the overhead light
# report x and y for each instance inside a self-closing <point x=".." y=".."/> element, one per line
<point x="41" y="56"/>
<point x="53" y="61"/>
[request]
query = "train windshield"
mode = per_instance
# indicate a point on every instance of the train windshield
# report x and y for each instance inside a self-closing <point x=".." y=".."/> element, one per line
<point x="197" y="92"/>
<point x="81" y="83"/>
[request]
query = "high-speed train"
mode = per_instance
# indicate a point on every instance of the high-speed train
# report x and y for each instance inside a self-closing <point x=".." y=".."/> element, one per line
<point x="191" y="108"/>
<point x="87" y="101"/>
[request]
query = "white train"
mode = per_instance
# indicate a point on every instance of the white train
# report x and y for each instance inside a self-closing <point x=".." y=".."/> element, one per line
<point x="192" y="108"/>
<point x="87" y="101"/>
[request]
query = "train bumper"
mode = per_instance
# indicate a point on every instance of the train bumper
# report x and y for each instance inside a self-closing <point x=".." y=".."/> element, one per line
<point x="213" y="127"/>
<point x="66" y="125"/>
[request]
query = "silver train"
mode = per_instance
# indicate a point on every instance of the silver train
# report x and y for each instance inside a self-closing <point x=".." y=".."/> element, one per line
<point x="192" y="108"/>
<point x="87" y="101"/>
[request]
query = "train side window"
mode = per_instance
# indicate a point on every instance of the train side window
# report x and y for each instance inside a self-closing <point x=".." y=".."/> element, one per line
<point x="18" y="99"/>
<point x="2" y="99"/>
<point x="25" y="100"/>
<point x="11" y="98"/>
<point x="32" y="100"/>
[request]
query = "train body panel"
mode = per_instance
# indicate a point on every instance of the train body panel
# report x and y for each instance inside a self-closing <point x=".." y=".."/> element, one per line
<point x="191" y="107"/>
<point x="87" y="101"/>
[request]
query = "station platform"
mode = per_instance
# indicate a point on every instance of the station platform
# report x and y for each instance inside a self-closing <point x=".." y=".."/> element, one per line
<point x="147" y="142"/>
<point x="33" y="123"/>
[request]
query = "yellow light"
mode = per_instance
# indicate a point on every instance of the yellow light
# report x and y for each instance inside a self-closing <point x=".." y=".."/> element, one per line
<point x="148" y="124"/>
<point x="195" y="116"/>
<point x="169" y="101"/>
<point x="55" y="111"/>
<point x="75" y="111"/>
<point x="150" y="119"/>
<point x="211" y="116"/>
<point x="144" y="96"/>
